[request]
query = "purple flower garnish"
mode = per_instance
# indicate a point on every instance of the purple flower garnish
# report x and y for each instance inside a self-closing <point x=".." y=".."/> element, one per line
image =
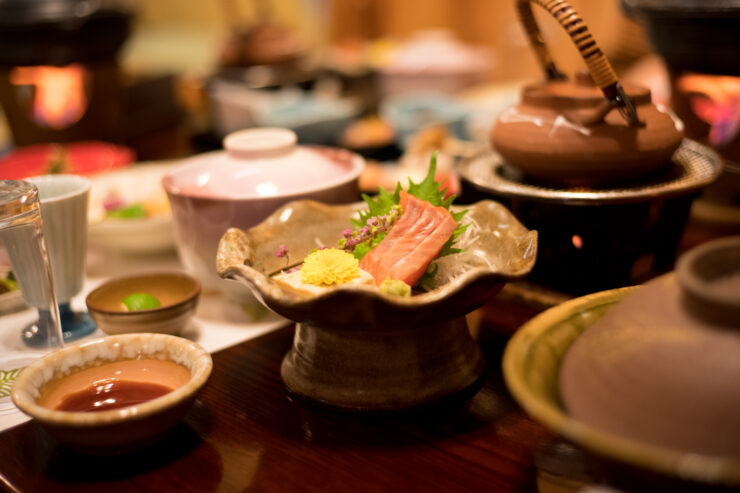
<point x="282" y="251"/>
<point x="347" y="232"/>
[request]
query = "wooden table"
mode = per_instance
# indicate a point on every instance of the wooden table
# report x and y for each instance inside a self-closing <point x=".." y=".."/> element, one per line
<point x="245" y="431"/>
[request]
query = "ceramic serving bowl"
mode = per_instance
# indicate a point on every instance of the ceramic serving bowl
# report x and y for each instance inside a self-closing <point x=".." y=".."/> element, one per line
<point x="533" y="370"/>
<point x="140" y="185"/>
<point x="121" y="429"/>
<point x="260" y="170"/>
<point x="177" y="292"/>
<point x="359" y="349"/>
<point x="314" y="120"/>
<point x="432" y="61"/>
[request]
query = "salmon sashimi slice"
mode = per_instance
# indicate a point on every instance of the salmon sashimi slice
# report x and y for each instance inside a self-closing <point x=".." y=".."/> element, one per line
<point x="410" y="214"/>
<point x="410" y="268"/>
<point x="414" y="241"/>
<point x="423" y="227"/>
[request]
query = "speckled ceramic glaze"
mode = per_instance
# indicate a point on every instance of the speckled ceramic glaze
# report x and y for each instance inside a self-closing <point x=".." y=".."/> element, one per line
<point x="356" y="348"/>
<point x="177" y="292"/>
<point x="621" y="379"/>
<point x="119" y="429"/>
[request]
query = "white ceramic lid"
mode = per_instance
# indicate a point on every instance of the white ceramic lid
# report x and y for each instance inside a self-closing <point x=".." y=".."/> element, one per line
<point x="262" y="162"/>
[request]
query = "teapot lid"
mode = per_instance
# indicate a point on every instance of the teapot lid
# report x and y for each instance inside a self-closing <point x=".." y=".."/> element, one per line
<point x="581" y="92"/>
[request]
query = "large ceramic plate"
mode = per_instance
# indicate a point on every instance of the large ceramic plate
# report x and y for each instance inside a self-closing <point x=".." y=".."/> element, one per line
<point x="141" y="183"/>
<point x="531" y="367"/>
<point x="497" y="249"/>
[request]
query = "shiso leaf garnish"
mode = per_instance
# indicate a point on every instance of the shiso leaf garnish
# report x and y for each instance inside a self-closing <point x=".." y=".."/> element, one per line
<point x="382" y="210"/>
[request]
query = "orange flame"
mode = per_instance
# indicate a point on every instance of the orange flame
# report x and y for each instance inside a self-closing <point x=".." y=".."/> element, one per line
<point x="715" y="99"/>
<point x="59" y="96"/>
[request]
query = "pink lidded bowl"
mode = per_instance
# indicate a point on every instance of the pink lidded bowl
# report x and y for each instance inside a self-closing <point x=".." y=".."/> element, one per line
<point x="259" y="170"/>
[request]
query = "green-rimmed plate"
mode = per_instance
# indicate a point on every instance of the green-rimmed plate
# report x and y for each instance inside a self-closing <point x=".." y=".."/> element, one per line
<point x="531" y="366"/>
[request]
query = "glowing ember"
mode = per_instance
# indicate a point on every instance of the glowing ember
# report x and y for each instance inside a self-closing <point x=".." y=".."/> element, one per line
<point x="577" y="241"/>
<point x="59" y="98"/>
<point x="716" y="100"/>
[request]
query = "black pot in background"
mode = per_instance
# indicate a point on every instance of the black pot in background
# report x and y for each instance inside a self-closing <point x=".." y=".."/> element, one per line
<point x="59" y="32"/>
<point x="596" y="239"/>
<point x="696" y="35"/>
<point x="587" y="248"/>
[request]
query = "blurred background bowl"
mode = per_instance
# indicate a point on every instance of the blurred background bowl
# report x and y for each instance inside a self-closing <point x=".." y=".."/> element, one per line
<point x="314" y="120"/>
<point x="409" y="114"/>
<point x="137" y="186"/>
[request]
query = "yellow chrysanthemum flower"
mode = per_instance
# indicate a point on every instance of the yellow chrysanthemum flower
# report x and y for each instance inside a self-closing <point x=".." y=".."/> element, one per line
<point x="329" y="266"/>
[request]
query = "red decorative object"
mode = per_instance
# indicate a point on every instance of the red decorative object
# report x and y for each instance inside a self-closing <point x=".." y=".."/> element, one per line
<point x="81" y="158"/>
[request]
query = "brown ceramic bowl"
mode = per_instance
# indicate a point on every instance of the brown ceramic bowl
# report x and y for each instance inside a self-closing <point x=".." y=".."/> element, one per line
<point x="115" y="430"/>
<point x="362" y="350"/>
<point x="177" y="292"/>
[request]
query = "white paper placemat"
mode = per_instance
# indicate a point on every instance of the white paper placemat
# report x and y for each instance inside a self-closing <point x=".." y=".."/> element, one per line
<point x="217" y="324"/>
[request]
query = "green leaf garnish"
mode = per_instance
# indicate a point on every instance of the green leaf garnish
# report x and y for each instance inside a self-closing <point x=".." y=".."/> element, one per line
<point x="379" y="205"/>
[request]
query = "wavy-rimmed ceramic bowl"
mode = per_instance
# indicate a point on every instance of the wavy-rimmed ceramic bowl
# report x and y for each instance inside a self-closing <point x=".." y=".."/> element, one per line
<point x="531" y="366"/>
<point x="123" y="429"/>
<point x="358" y="349"/>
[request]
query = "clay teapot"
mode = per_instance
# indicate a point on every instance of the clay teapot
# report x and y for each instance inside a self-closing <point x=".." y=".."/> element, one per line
<point x="588" y="132"/>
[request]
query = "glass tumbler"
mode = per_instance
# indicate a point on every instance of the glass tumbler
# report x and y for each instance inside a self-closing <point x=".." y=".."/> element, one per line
<point x="21" y="234"/>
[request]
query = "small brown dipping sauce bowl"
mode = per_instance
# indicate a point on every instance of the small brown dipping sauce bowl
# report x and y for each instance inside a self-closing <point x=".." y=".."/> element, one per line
<point x="177" y="292"/>
<point x="115" y="394"/>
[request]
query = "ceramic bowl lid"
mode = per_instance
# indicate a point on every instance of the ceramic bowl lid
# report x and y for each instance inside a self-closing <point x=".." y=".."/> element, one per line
<point x="260" y="163"/>
<point x="657" y="370"/>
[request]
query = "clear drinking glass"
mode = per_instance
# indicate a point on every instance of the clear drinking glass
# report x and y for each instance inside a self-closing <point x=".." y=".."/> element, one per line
<point x="21" y="234"/>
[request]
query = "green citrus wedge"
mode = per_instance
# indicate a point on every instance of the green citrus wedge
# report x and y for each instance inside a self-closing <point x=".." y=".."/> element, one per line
<point x="140" y="301"/>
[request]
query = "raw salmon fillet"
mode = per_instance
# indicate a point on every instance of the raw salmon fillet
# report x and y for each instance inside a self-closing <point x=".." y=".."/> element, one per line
<point x="414" y="241"/>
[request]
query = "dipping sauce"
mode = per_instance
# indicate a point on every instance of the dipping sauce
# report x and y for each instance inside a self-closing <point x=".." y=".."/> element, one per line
<point x="112" y="394"/>
<point x="114" y="385"/>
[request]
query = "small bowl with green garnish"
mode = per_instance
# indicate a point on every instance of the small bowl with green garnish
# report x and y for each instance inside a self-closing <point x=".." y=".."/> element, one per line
<point x="158" y="302"/>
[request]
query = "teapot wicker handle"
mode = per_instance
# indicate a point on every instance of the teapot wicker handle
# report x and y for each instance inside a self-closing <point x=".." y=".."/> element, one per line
<point x="599" y="67"/>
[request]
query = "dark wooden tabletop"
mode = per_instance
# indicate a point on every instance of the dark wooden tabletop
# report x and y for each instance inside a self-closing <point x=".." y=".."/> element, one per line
<point x="245" y="432"/>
